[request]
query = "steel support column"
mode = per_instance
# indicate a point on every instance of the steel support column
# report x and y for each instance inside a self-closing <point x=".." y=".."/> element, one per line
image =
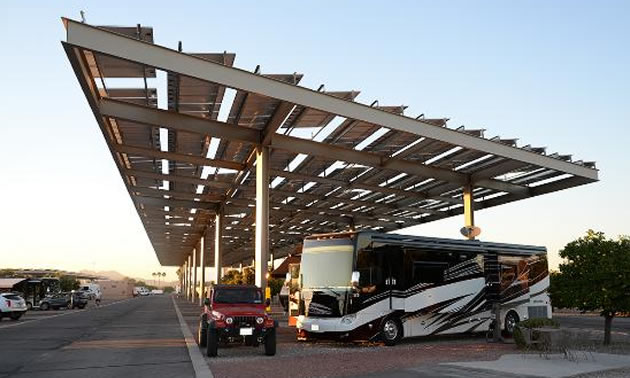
<point x="182" y="288"/>
<point x="202" y="265"/>
<point x="193" y="297"/>
<point x="469" y="208"/>
<point x="218" y="246"/>
<point x="262" y="216"/>
<point x="189" y="271"/>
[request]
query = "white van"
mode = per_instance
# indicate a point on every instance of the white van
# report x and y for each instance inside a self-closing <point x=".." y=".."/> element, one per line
<point x="92" y="290"/>
<point x="140" y="291"/>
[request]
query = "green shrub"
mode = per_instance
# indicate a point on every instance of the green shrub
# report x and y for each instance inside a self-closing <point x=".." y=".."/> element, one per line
<point x="519" y="339"/>
<point x="276" y="285"/>
<point x="538" y="323"/>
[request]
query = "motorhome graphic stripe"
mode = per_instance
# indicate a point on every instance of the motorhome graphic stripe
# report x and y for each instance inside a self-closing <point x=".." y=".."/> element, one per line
<point x="434" y="307"/>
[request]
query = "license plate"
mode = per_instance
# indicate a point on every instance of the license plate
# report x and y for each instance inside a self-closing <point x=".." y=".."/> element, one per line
<point x="314" y="327"/>
<point x="246" y="331"/>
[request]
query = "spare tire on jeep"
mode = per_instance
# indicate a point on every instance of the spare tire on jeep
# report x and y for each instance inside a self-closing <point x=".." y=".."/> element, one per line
<point x="202" y="335"/>
<point x="212" y="345"/>
<point x="270" y="343"/>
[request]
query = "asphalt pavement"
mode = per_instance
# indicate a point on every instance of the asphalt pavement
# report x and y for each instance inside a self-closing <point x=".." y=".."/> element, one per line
<point x="139" y="337"/>
<point x="591" y="321"/>
<point x="142" y="337"/>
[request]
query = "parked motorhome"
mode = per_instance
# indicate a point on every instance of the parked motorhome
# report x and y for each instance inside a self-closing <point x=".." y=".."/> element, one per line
<point x="367" y="286"/>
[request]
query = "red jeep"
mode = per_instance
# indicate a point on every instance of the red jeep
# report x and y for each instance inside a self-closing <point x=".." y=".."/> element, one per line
<point x="236" y="314"/>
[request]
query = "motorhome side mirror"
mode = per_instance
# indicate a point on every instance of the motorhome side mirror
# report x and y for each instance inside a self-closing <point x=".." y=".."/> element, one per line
<point x="287" y="278"/>
<point x="206" y="301"/>
<point x="355" y="277"/>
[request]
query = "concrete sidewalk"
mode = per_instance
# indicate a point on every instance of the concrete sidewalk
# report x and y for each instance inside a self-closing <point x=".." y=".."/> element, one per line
<point x="551" y="365"/>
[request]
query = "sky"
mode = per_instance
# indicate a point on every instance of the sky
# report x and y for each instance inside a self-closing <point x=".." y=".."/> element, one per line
<point x="552" y="74"/>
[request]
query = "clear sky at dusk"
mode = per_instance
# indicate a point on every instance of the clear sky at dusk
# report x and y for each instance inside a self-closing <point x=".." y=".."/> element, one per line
<point x="553" y="74"/>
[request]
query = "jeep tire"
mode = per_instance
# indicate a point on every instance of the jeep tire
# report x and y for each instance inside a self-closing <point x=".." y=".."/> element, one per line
<point x="270" y="343"/>
<point x="212" y="343"/>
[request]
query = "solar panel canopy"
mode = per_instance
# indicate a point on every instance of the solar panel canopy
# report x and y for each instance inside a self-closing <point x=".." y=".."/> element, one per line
<point x="334" y="163"/>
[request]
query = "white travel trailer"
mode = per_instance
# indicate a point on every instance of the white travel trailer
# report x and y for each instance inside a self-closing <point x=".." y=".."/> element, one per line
<point x="367" y="286"/>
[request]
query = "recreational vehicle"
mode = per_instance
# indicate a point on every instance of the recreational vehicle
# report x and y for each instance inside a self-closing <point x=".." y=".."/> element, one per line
<point x="367" y="286"/>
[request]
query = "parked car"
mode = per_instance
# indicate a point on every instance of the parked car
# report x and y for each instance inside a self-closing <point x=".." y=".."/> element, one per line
<point x="140" y="291"/>
<point x="12" y="306"/>
<point x="157" y="292"/>
<point x="91" y="289"/>
<point x="236" y="314"/>
<point x="64" y="300"/>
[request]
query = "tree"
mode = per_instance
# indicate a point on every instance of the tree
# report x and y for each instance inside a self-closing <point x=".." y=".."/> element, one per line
<point x="68" y="283"/>
<point x="594" y="277"/>
<point x="169" y="289"/>
<point x="7" y="273"/>
<point x="276" y="285"/>
<point x="234" y="277"/>
<point x="249" y="276"/>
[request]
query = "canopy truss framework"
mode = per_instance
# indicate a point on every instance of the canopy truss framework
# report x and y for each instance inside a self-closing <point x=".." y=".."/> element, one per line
<point x="333" y="163"/>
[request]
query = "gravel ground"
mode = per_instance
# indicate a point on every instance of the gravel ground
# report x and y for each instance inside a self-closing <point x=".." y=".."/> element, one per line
<point x="311" y="359"/>
<point x="344" y="361"/>
<point x="331" y="359"/>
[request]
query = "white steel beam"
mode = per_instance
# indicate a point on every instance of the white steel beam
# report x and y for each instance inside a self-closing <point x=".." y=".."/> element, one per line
<point x="152" y="201"/>
<point x="189" y="272"/>
<point x="183" y="122"/>
<point x="107" y="42"/>
<point x="202" y="264"/>
<point x="262" y="216"/>
<point x="218" y="246"/>
<point x="162" y="118"/>
<point x="190" y="159"/>
<point x="346" y="185"/>
<point x="184" y="288"/>
<point x="194" y="281"/>
<point x="177" y="178"/>
<point x="309" y="147"/>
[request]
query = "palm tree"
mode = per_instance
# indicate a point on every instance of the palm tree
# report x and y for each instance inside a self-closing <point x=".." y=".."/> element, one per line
<point x="154" y="274"/>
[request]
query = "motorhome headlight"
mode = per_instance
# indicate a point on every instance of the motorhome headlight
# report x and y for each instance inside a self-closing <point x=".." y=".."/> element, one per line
<point x="260" y="320"/>
<point x="348" y="319"/>
<point x="229" y="320"/>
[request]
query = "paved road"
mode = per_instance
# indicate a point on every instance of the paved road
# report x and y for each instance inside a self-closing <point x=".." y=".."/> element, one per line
<point x="139" y="337"/>
<point x="592" y="322"/>
<point x="142" y="337"/>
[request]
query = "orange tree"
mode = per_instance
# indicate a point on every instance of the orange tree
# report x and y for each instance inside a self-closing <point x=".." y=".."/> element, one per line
<point x="594" y="277"/>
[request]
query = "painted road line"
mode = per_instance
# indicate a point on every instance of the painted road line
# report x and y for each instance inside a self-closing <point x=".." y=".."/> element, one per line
<point x="198" y="361"/>
<point x="62" y="314"/>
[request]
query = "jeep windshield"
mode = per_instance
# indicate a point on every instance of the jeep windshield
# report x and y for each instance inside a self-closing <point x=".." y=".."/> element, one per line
<point x="238" y="295"/>
<point x="327" y="263"/>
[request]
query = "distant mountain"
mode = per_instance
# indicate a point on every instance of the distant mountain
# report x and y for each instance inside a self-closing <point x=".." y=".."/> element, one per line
<point x="115" y="276"/>
<point x="109" y="274"/>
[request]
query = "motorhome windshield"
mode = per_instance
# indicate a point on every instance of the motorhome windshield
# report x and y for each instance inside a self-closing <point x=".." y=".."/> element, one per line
<point x="327" y="263"/>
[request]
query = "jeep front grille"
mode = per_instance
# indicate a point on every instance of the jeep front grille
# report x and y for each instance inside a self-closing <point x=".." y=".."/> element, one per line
<point x="245" y="321"/>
